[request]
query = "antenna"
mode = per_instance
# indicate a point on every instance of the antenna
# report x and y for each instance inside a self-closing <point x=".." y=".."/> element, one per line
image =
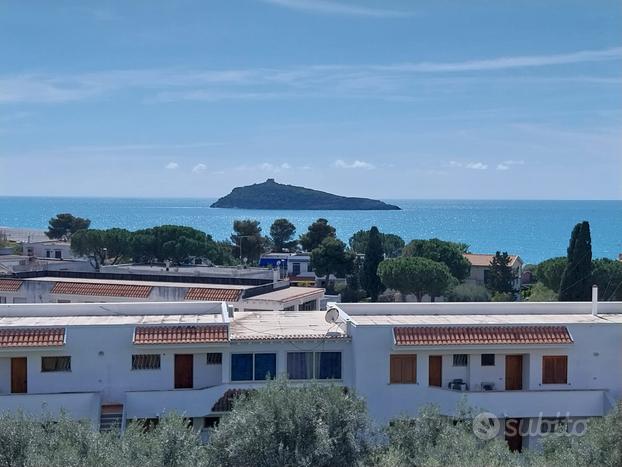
<point x="331" y="316"/>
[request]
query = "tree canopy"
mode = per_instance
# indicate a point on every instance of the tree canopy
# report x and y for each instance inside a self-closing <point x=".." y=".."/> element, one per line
<point x="282" y="232"/>
<point x="64" y="225"/>
<point x="500" y="278"/>
<point x="468" y="293"/>
<point x="175" y="243"/>
<point x="373" y="257"/>
<point x="415" y="275"/>
<point x="331" y="257"/>
<point x="391" y="244"/>
<point x="607" y="275"/>
<point x="576" y="282"/>
<point x="315" y="425"/>
<point x="550" y="272"/>
<point x="316" y="233"/>
<point x="247" y="238"/>
<point x="449" y="253"/>
<point x="101" y="245"/>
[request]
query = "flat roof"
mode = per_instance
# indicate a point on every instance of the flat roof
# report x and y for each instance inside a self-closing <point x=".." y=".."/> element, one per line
<point x="435" y="320"/>
<point x="111" y="309"/>
<point x="277" y="325"/>
<point x="51" y="321"/>
<point x="288" y="293"/>
<point x="131" y="282"/>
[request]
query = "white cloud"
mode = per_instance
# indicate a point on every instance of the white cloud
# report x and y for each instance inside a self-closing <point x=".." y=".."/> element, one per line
<point x="341" y="164"/>
<point x="199" y="168"/>
<point x="336" y="8"/>
<point x="476" y="166"/>
<point x="503" y="167"/>
<point x="455" y="164"/>
<point x="172" y="166"/>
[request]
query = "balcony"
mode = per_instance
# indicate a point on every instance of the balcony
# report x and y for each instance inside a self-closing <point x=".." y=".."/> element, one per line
<point x="515" y="404"/>
<point x="76" y="405"/>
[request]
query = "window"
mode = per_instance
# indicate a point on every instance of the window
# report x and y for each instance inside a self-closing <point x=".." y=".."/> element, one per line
<point x="310" y="365"/>
<point x="49" y="364"/>
<point x="265" y="366"/>
<point x="403" y="369"/>
<point x="461" y="359"/>
<point x="60" y="300"/>
<point x="290" y="308"/>
<point x="2" y="299"/>
<point x="214" y="358"/>
<point x="252" y="367"/>
<point x="328" y="365"/>
<point x="488" y="359"/>
<point x="555" y="369"/>
<point x="146" y="362"/>
<point x="308" y="306"/>
<point x="295" y="269"/>
<point x="48" y="254"/>
<point x="58" y="254"/>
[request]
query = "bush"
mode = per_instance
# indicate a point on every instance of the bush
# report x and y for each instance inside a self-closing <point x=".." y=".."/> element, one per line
<point x="468" y="293"/>
<point x="540" y="293"/>
<point x="281" y="424"/>
<point x="502" y="297"/>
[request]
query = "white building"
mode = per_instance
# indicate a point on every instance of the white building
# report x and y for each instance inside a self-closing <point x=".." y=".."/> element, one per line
<point x="523" y="362"/>
<point x="54" y="249"/>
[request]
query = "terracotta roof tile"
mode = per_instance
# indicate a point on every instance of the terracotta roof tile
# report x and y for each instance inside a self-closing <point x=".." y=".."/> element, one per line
<point x="10" y="285"/>
<point x="225" y="403"/>
<point x="436" y="335"/>
<point x="32" y="337"/>
<point x="213" y="295"/>
<point x="181" y="334"/>
<point x="102" y="290"/>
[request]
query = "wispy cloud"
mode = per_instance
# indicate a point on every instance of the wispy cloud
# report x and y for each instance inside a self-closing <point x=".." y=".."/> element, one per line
<point x="468" y="165"/>
<point x="199" y="168"/>
<point x="265" y="167"/>
<point x="341" y="164"/>
<point x="506" y="165"/>
<point x="337" y="8"/>
<point x="171" y="166"/>
<point x="390" y="81"/>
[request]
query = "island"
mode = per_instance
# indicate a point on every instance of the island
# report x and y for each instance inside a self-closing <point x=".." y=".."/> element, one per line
<point x="273" y="195"/>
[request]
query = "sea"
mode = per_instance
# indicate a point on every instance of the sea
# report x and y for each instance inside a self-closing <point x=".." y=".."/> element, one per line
<point x="535" y="230"/>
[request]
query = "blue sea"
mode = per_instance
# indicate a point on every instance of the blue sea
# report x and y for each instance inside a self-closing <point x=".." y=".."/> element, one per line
<point x="535" y="230"/>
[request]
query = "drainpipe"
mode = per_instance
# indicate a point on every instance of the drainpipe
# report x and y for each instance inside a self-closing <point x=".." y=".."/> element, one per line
<point x="594" y="300"/>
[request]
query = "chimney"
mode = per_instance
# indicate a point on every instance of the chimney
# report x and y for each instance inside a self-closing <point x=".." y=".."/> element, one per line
<point x="594" y="300"/>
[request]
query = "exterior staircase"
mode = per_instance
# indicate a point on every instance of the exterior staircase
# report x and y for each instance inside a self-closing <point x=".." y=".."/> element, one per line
<point x="111" y="417"/>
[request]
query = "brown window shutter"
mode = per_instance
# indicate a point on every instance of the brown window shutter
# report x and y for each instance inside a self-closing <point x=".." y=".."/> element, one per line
<point x="555" y="369"/>
<point x="403" y="369"/>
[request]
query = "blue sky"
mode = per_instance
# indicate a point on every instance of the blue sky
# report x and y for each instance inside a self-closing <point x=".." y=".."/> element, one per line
<point x="387" y="99"/>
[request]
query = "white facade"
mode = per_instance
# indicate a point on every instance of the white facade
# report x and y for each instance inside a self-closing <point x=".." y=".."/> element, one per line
<point x="358" y="342"/>
<point x="52" y="249"/>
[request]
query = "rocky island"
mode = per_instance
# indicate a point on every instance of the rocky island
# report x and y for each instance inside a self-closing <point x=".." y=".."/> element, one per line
<point x="273" y="195"/>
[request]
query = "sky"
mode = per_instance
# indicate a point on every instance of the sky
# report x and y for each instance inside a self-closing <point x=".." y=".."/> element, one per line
<point x="385" y="99"/>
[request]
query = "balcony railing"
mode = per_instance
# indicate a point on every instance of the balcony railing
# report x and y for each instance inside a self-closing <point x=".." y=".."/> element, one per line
<point x="516" y="404"/>
<point x="76" y="405"/>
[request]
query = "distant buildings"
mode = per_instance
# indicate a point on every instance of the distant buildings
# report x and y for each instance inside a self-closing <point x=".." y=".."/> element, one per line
<point x="480" y="266"/>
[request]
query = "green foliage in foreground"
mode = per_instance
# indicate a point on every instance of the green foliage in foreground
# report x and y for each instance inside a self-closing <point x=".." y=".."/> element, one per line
<point x="315" y="425"/>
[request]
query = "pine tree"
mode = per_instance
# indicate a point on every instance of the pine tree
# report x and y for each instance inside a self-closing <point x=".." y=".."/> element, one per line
<point x="500" y="275"/>
<point x="576" y="280"/>
<point x="373" y="257"/>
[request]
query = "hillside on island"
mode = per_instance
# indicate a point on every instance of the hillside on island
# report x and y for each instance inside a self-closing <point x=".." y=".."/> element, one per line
<point x="273" y="195"/>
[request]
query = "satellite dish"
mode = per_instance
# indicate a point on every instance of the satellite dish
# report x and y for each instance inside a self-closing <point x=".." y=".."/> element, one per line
<point x="332" y="315"/>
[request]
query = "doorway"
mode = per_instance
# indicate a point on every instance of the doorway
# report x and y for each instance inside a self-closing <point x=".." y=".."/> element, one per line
<point x="435" y="371"/>
<point x="513" y="435"/>
<point x="19" y="375"/>
<point x="184" y="374"/>
<point x="513" y="372"/>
